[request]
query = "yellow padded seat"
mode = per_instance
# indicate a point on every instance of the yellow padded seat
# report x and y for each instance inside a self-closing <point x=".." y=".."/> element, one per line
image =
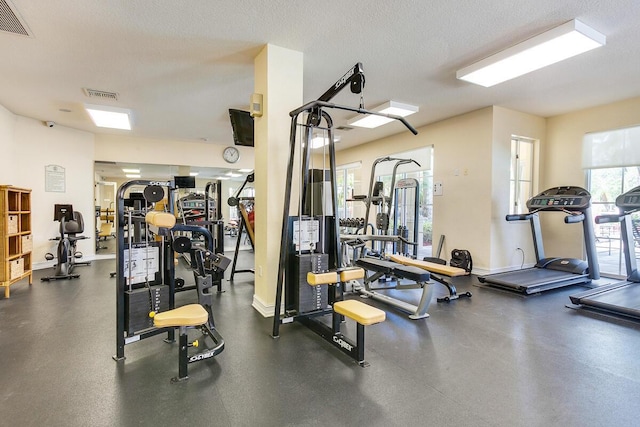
<point x="351" y="274"/>
<point x="106" y="229"/>
<point x="315" y="279"/>
<point x="160" y="219"/>
<point x="187" y="315"/>
<point x="360" y="312"/>
<point x="432" y="267"/>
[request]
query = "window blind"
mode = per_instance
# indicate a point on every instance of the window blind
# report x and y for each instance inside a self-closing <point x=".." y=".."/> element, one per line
<point x="612" y="148"/>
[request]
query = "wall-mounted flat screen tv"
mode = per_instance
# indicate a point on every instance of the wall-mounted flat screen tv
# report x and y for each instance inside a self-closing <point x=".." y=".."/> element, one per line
<point x="242" y="125"/>
<point x="184" y="181"/>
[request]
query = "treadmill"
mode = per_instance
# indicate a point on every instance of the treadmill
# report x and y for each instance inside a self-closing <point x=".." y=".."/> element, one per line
<point x="552" y="273"/>
<point x="622" y="298"/>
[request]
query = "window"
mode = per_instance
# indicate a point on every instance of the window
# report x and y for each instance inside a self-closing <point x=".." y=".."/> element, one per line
<point x="605" y="185"/>
<point x="405" y="202"/>
<point x="521" y="176"/>
<point x="347" y="179"/>
<point x="612" y="161"/>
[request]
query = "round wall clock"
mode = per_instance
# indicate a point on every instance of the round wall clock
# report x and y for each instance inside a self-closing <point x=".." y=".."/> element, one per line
<point x="231" y="154"/>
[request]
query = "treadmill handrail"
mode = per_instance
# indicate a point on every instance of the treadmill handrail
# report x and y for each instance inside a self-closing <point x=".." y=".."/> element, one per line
<point x="519" y="217"/>
<point x="573" y="218"/>
<point x="608" y="218"/>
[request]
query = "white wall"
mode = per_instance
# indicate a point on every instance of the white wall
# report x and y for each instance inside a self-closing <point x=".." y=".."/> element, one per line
<point x="461" y="145"/>
<point x="33" y="147"/>
<point x="471" y="159"/>
<point x="506" y="237"/>
<point x="122" y="148"/>
<point x="7" y="146"/>
<point x="462" y="163"/>
<point x="562" y="160"/>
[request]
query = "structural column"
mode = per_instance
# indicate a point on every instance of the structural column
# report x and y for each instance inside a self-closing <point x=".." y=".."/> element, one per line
<point x="279" y="78"/>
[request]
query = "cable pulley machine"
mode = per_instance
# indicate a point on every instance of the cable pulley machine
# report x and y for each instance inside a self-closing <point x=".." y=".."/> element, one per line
<point x="376" y="196"/>
<point x="243" y="224"/>
<point x="310" y="278"/>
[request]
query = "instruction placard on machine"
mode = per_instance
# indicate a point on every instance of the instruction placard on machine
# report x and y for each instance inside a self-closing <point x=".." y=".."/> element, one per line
<point x="141" y="263"/>
<point x="305" y="234"/>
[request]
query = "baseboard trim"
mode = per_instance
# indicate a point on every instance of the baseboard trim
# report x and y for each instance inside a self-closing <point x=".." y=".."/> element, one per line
<point x="267" y="310"/>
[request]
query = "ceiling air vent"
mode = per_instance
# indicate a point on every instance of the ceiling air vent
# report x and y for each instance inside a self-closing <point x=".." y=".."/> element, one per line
<point x="345" y="128"/>
<point x="99" y="94"/>
<point x="9" y="20"/>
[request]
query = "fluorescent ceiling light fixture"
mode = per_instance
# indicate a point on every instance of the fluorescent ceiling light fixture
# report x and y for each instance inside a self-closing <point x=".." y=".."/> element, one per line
<point x="131" y="170"/>
<point x="233" y="175"/>
<point x="569" y="39"/>
<point x="319" y="141"/>
<point x="222" y="178"/>
<point x="245" y="170"/>
<point x="391" y="107"/>
<point x="132" y="175"/>
<point x="109" y="117"/>
<point x="193" y="173"/>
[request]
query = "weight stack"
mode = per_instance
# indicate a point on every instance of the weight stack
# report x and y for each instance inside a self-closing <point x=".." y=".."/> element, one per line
<point x="139" y="302"/>
<point x="303" y="297"/>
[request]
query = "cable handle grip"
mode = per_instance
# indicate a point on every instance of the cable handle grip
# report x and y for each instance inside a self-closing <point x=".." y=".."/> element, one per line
<point x="605" y="219"/>
<point x="572" y="219"/>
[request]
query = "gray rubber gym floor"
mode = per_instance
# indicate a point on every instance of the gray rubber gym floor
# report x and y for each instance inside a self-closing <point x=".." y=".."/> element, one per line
<point x="497" y="359"/>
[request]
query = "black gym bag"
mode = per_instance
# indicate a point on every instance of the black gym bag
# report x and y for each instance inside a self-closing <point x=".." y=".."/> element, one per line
<point x="461" y="258"/>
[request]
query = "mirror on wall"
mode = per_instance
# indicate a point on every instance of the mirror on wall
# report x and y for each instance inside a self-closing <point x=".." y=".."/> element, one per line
<point x="109" y="176"/>
<point x="104" y="201"/>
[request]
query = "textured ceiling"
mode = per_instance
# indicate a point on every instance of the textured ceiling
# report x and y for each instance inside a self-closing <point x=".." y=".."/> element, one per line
<point x="180" y="65"/>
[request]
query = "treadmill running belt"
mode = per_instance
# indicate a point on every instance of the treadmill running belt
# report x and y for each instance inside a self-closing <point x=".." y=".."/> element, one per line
<point x="624" y="300"/>
<point x="535" y="279"/>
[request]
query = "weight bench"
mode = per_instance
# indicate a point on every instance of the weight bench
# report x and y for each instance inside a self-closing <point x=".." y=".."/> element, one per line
<point x="362" y="314"/>
<point x="382" y="268"/>
<point x="106" y="230"/>
<point x="436" y="271"/>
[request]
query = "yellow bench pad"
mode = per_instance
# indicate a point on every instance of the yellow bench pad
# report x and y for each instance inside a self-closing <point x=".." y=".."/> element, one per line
<point x="431" y="267"/>
<point x="351" y="274"/>
<point x="105" y="229"/>
<point x="360" y="312"/>
<point x="160" y="219"/>
<point x="187" y="315"/>
<point x="315" y="279"/>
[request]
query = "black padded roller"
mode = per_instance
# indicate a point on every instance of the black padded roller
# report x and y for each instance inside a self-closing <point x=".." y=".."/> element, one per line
<point x="153" y="193"/>
<point x="181" y="244"/>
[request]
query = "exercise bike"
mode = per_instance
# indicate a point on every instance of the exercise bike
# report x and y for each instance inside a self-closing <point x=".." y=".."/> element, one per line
<point x="71" y="225"/>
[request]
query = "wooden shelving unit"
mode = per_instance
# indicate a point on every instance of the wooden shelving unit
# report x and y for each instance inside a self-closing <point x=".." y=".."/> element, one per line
<point x="15" y="236"/>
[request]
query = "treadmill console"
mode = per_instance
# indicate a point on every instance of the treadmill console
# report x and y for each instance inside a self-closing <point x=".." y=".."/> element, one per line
<point x="561" y="199"/>
<point x="629" y="201"/>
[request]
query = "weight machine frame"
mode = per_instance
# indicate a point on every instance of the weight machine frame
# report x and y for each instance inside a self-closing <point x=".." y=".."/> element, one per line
<point x="167" y="269"/>
<point x="315" y="112"/>
<point x="236" y="201"/>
